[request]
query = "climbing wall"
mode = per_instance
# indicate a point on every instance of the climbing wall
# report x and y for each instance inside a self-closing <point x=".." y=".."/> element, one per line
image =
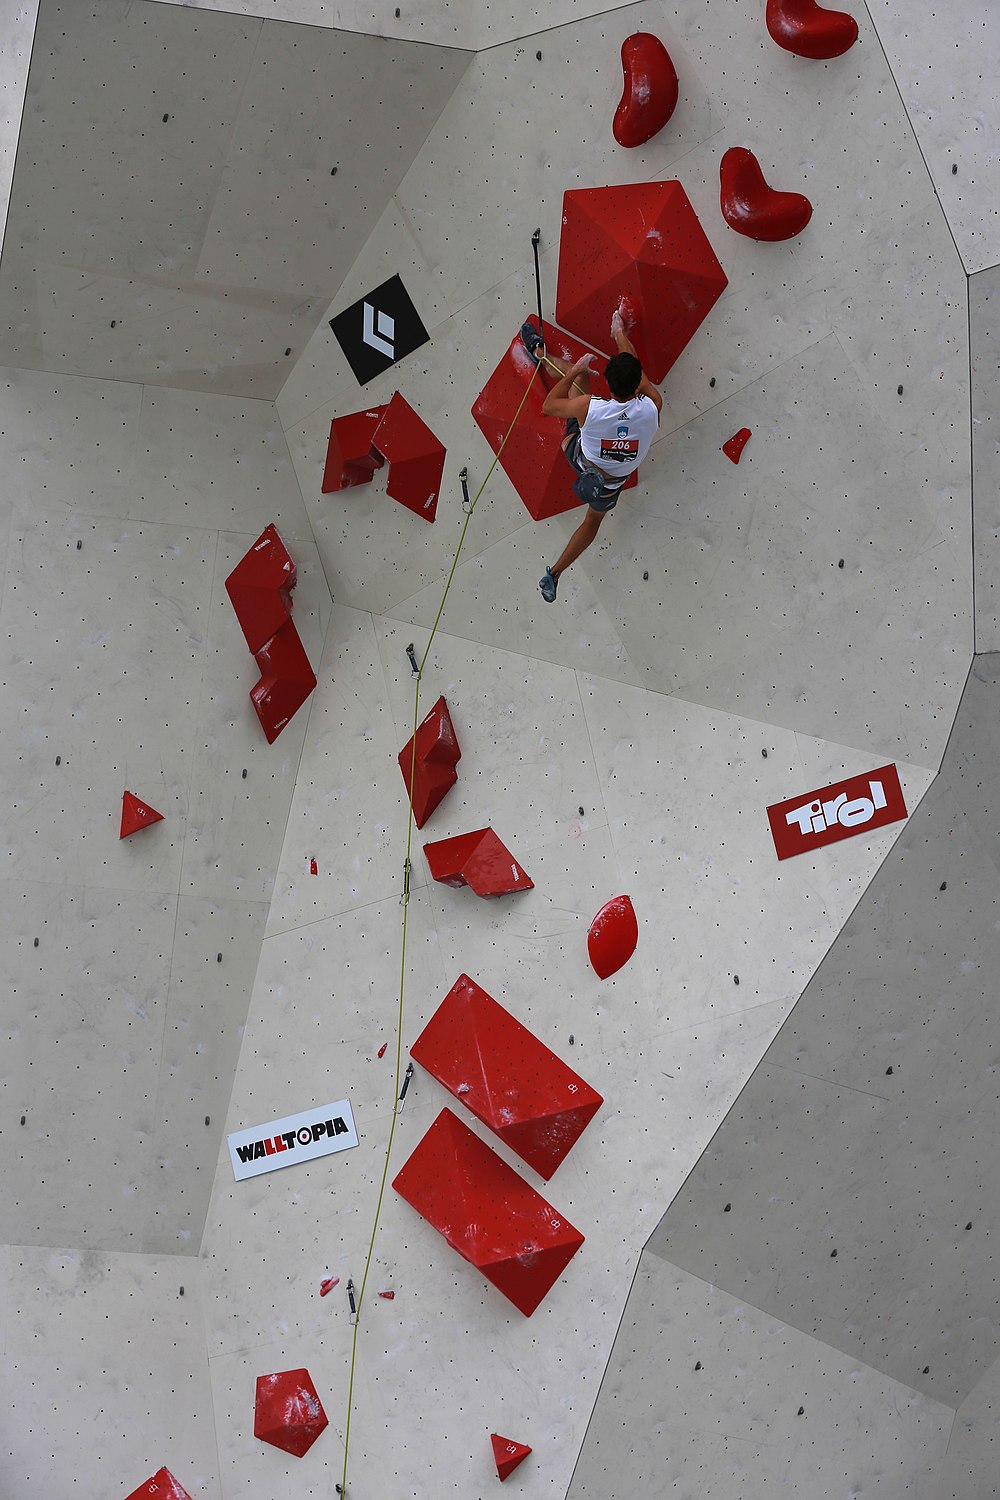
<point x="739" y="634"/>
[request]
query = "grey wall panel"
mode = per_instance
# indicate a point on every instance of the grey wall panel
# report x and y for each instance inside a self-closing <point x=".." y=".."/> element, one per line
<point x="191" y="187"/>
<point x="869" y="1128"/>
<point x="705" y="1398"/>
<point x="984" y="315"/>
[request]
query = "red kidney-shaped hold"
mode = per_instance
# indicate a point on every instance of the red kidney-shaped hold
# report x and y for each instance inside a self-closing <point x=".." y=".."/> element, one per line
<point x="751" y="207"/>
<point x="613" y="935"/>
<point x="733" y="449"/>
<point x="650" y="93"/>
<point x="810" y="30"/>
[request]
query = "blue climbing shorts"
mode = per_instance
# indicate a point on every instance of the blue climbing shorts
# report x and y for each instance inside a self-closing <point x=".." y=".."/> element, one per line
<point x="591" y="485"/>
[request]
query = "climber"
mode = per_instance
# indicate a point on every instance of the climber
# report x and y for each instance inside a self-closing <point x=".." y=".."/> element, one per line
<point x="605" y="441"/>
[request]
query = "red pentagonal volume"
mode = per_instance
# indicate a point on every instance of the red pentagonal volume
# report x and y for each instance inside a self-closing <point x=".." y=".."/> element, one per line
<point x="810" y="30"/>
<point x="415" y="458"/>
<point x="505" y="1076"/>
<point x="641" y="243"/>
<point x="751" y="207"/>
<point x="507" y="1454"/>
<point x="613" y="936"/>
<point x="286" y="681"/>
<point x="162" y="1486"/>
<point x="487" y="1212"/>
<point x="479" y="860"/>
<point x="532" y="457"/>
<point x="649" y="93"/>
<point x="433" y="764"/>
<point x="350" y="458"/>
<point x="288" y="1413"/>
<point x="260" y="588"/>
<point x="136" y="815"/>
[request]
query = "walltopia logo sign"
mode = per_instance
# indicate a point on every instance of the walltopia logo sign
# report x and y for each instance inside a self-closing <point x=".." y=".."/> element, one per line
<point x="281" y="1143"/>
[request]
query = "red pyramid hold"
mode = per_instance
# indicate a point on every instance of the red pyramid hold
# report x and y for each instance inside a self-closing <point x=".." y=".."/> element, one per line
<point x="507" y="1454"/>
<point x="162" y="1486"/>
<point x="136" y="815"/>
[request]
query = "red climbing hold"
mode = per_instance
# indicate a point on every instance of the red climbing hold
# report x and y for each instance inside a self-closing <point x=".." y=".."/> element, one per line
<point x="810" y="30"/>
<point x="650" y="90"/>
<point x="532" y="458"/>
<point x="162" y="1486"/>
<point x="507" y="1454"/>
<point x="415" y="458"/>
<point x="487" y="1212"/>
<point x="313" y="867"/>
<point x="387" y="1296"/>
<point x="381" y="1050"/>
<point x="751" y="207"/>
<point x="613" y="935"/>
<point x="478" y="860"/>
<point x="350" y="458"/>
<point x="642" y="242"/>
<point x="260" y="588"/>
<point x="734" y="448"/>
<point x="286" y="680"/>
<point x="505" y="1076"/>
<point x="437" y="754"/>
<point x="136" y="815"/>
<point x="288" y="1412"/>
<point x="327" y="1285"/>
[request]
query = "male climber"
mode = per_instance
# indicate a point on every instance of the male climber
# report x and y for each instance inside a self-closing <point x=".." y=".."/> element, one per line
<point x="605" y="441"/>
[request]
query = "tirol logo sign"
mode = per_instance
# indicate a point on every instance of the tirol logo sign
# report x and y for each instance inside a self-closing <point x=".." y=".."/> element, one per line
<point x="380" y="330"/>
<point x="281" y="1143"/>
<point x="857" y="805"/>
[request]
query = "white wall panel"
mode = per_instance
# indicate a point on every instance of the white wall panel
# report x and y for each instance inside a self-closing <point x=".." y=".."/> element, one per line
<point x="105" y="1377"/>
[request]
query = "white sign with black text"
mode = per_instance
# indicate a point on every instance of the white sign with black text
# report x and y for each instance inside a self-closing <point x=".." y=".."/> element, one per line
<point x="315" y="1132"/>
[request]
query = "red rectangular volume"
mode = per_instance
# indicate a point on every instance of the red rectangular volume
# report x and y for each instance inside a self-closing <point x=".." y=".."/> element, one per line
<point x="860" y="804"/>
<point x="486" y="1212"/>
<point x="508" y="1078"/>
<point x="260" y="587"/>
<point x="286" y="680"/>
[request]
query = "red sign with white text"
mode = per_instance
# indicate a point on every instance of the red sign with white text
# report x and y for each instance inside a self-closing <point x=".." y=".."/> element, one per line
<point x="857" y="805"/>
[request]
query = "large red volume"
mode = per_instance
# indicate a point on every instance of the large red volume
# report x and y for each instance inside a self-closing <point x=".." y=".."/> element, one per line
<point x="508" y="1078"/>
<point x="487" y="1212"/>
<point x="260" y="588"/>
<point x="350" y="458"/>
<point x="162" y="1486"/>
<point x="479" y="860"/>
<point x="288" y="1413"/>
<point x="532" y="458"/>
<point x="507" y="1454"/>
<point x="136" y="815"/>
<point x="437" y="754"/>
<point x="649" y="94"/>
<point x="286" y="680"/>
<point x="642" y="243"/>
<point x="415" y="458"/>
<point x="751" y="207"/>
<point x="613" y="936"/>
<point x="810" y="30"/>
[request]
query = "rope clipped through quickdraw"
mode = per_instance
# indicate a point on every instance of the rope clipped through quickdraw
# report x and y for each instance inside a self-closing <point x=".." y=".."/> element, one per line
<point x="358" y="1302"/>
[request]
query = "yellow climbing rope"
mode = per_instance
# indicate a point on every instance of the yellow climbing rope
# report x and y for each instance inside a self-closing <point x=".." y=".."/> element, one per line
<point x="342" y="1487"/>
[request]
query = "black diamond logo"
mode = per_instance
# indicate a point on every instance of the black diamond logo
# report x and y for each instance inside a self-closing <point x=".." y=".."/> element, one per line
<point x="380" y="330"/>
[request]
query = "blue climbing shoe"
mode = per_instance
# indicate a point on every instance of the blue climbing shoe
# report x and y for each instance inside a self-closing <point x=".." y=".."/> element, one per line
<point x="548" y="586"/>
<point x="533" y="342"/>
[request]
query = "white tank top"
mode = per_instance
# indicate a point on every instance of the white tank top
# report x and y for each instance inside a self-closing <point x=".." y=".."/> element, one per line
<point x="616" y="434"/>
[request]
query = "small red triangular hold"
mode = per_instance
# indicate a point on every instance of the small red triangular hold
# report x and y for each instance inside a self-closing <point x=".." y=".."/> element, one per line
<point x="136" y="815"/>
<point x="507" y="1454"/>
